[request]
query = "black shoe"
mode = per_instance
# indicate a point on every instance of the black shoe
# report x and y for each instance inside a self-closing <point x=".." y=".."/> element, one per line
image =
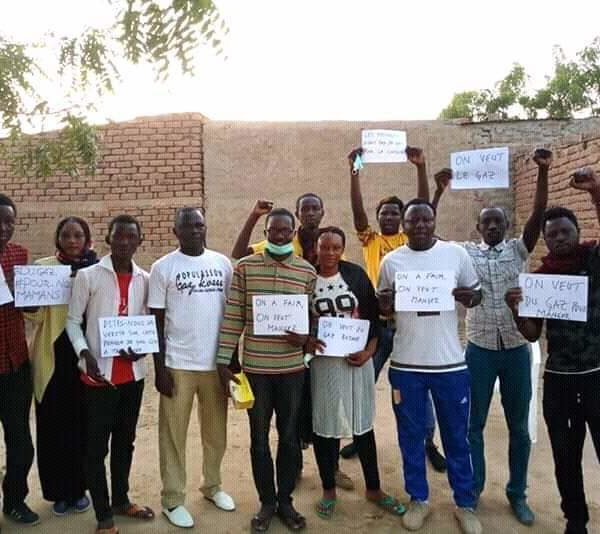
<point x="437" y="460"/>
<point x="349" y="451"/>
<point x="574" y="527"/>
<point x="21" y="513"/>
<point x="290" y="517"/>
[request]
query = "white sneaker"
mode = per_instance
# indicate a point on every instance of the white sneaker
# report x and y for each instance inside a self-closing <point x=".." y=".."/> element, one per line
<point x="223" y="501"/>
<point x="416" y="513"/>
<point x="179" y="517"/>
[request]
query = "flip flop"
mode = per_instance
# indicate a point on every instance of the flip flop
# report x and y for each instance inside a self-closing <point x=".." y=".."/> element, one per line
<point x="262" y="520"/>
<point x="325" y="508"/>
<point x="390" y="505"/>
<point x="135" y="511"/>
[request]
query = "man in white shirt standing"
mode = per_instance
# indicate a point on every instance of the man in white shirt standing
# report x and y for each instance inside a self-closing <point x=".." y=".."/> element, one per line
<point x="427" y="358"/>
<point x="188" y="289"/>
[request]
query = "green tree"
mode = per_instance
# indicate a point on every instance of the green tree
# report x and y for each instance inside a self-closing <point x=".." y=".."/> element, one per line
<point x="160" y="33"/>
<point x="462" y="106"/>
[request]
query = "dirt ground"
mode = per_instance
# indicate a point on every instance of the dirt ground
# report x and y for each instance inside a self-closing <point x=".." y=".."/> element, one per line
<point x="353" y="513"/>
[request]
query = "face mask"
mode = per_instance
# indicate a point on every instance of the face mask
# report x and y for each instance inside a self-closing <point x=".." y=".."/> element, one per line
<point x="280" y="250"/>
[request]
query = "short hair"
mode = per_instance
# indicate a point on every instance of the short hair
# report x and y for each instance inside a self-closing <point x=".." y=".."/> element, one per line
<point x="7" y="201"/>
<point x="186" y="209"/>
<point x="389" y="200"/>
<point x="307" y="195"/>
<point x="333" y="230"/>
<point x="124" y="218"/>
<point x="81" y="222"/>
<point x="557" y="212"/>
<point x="501" y="208"/>
<point x="280" y="212"/>
<point x="418" y="202"/>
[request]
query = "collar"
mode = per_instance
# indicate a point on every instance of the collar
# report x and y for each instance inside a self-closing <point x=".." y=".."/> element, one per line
<point x="270" y="260"/>
<point x="106" y="263"/>
<point x="499" y="247"/>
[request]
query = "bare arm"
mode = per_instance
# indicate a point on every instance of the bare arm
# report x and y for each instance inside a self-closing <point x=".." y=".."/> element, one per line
<point x="417" y="158"/>
<point x="533" y="226"/>
<point x="587" y="180"/>
<point x="442" y="179"/>
<point x="361" y="220"/>
<point x="241" y="247"/>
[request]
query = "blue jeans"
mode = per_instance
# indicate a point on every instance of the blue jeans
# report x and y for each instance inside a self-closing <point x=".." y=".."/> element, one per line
<point x="513" y="368"/>
<point x="384" y="349"/>
<point x="450" y="393"/>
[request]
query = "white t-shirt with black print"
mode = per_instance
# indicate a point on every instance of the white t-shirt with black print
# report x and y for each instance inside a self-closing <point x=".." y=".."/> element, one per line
<point x="192" y="290"/>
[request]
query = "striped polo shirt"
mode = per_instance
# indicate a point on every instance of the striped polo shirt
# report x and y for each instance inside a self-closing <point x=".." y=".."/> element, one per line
<point x="261" y="274"/>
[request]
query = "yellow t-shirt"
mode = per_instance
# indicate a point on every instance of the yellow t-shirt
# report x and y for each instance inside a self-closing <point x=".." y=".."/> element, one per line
<point x="375" y="247"/>
<point x="262" y="245"/>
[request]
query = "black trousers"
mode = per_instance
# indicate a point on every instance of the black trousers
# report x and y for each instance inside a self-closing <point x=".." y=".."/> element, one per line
<point x="282" y="394"/>
<point x="327" y="451"/>
<point x="111" y="414"/>
<point x="570" y="402"/>
<point x="60" y="429"/>
<point x="15" y="404"/>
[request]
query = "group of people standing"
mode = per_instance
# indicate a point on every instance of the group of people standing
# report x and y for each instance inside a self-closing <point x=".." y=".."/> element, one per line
<point x="203" y="310"/>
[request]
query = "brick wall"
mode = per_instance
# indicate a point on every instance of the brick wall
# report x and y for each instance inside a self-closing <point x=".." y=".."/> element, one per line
<point x="150" y="166"/>
<point x="568" y="157"/>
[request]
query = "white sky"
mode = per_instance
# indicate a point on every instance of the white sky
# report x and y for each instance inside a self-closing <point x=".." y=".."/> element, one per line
<point x="336" y="59"/>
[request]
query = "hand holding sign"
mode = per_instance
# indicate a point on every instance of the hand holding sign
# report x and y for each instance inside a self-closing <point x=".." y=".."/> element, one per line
<point x="480" y="169"/>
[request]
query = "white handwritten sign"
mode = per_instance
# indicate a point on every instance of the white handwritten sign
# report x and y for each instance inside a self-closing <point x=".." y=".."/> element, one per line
<point x="342" y="336"/>
<point x="5" y="294"/>
<point x="551" y="296"/>
<point x="424" y="291"/>
<point x="42" y="285"/>
<point x="274" y="314"/>
<point x="120" y="333"/>
<point x="480" y="169"/>
<point x="383" y="146"/>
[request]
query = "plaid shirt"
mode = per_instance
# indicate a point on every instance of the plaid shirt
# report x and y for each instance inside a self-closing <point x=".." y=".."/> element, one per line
<point x="13" y="345"/>
<point x="490" y="325"/>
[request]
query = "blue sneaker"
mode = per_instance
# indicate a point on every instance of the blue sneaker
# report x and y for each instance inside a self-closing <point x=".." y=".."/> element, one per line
<point x="60" y="508"/>
<point x="82" y="504"/>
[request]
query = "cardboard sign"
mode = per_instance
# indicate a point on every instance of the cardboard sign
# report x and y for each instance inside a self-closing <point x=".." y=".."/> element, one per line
<point x="480" y="169"/>
<point x="5" y="294"/>
<point x="553" y="296"/>
<point x="42" y="285"/>
<point x="342" y="336"/>
<point x="424" y="291"/>
<point x="274" y="314"/>
<point x="383" y="146"/>
<point x="135" y="331"/>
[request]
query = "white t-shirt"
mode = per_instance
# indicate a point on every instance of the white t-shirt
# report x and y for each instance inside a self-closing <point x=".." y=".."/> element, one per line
<point x="424" y="342"/>
<point x="192" y="290"/>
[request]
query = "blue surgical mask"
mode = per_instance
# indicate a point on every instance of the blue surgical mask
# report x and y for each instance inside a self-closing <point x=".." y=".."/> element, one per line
<point x="280" y="250"/>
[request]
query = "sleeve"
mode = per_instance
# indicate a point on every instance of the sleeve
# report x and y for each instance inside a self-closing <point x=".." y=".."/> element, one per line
<point x="234" y="319"/>
<point x="77" y="307"/>
<point x="369" y="308"/>
<point x="521" y="248"/>
<point x="386" y="276"/>
<point x="366" y="236"/>
<point x="228" y="275"/>
<point x="157" y="288"/>
<point x="467" y="276"/>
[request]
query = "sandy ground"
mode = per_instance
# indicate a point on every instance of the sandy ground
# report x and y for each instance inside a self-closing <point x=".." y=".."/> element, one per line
<point x="353" y="513"/>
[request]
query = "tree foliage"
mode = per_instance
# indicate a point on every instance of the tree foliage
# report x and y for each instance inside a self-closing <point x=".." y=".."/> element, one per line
<point x="574" y="87"/>
<point x="162" y="33"/>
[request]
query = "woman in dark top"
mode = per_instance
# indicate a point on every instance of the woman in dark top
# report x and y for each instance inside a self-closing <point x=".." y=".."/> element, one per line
<point x="58" y="390"/>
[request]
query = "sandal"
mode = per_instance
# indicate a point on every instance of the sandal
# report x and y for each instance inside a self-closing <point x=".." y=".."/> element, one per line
<point x="291" y="518"/>
<point x="135" y="511"/>
<point x="325" y="508"/>
<point x="110" y="530"/>
<point x="390" y="505"/>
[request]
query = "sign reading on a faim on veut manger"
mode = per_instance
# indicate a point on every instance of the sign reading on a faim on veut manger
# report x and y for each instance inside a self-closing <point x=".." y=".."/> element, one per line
<point x="552" y="296"/>
<point x="274" y="314"/>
